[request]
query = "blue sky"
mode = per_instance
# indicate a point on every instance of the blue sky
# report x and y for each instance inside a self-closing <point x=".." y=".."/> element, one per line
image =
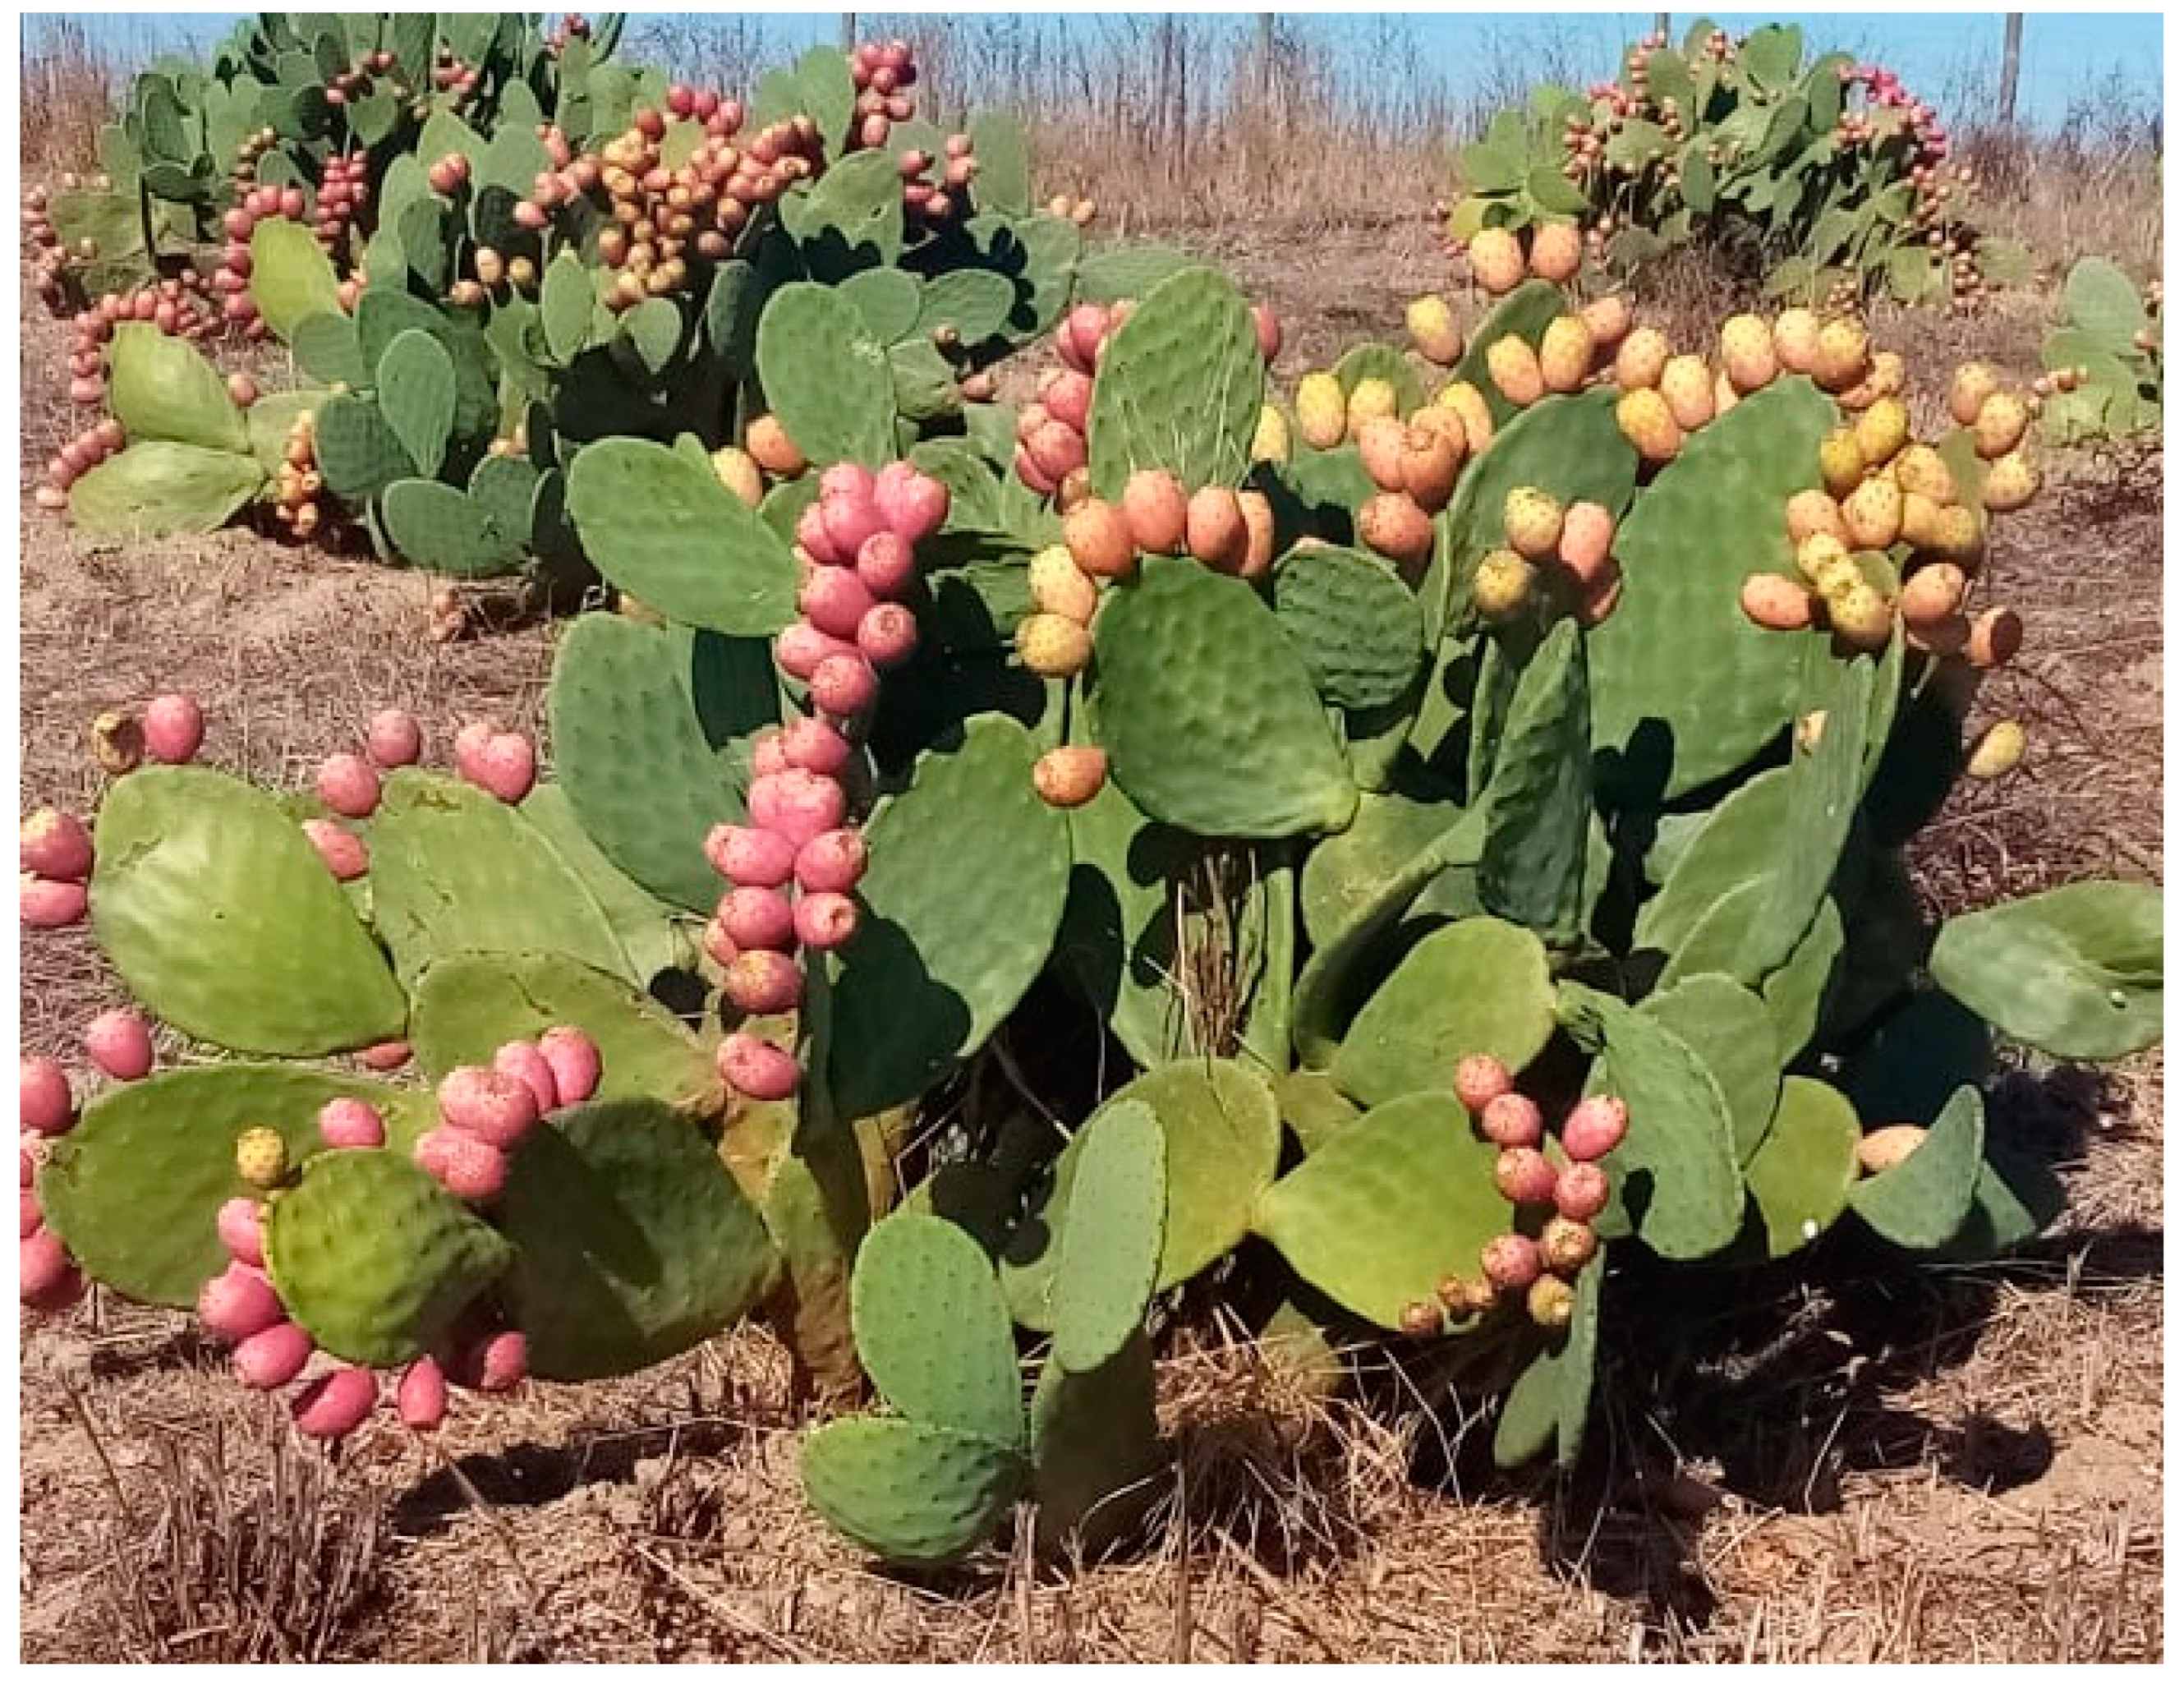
<point x="1950" y="58"/>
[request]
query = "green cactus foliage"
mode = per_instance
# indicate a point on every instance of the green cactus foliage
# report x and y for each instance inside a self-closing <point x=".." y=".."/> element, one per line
<point x="933" y="1332"/>
<point x="1313" y="1107"/>
<point x="1344" y="875"/>
<point x="416" y="383"/>
<point x="1110" y="1247"/>
<point x="358" y="454"/>
<point x="161" y="388"/>
<point x="1923" y="1202"/>
<point x="826" y="377"/>
<point x="291" y="275"/>
<point x="1096" y="1449"/>
<point x="1730" y="1028"/>
<point x="1480" y="985"/>
<point x="1549" y="1402"/>
<point x="1178" y="388"/>
<point x="1740" y="841"/>
<point x="1353" y="622"/>
<point x="443" y="528"/>
<point x="1801" y="1175"/>
<point x="2075" y="972"/>
<point x="221" y="917"/>
<point x="1795" y="994"/>
<point x="159" y="489"/>
<point x="1539" y="801"/>
<point x="641" y="923"/>
<point x="911" y="1493"/>
<point x="374" y="1258"/>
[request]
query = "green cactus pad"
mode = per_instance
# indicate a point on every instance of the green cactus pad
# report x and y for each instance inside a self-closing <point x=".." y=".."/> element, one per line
<point x="888" y="299"/>
<point x="268" y="421"/>
<point x="1209" y="716"/>
<point x="825" y="376"/>
<point x="468" y="1006"/>
<point x="1539" y="800"/>
<point x="853" y="214"/>
<point x="911" y="1494"/>
<point x="158" y="489"/>
<point x="634" y="757"/>
<point x="455" y="871"/>
<point x="1223" y="1141"/>
<point x="632" y="1241"/>
<point x="1711" y="517"/>
<point x="291" y="275"/>
<point x="1924" y="1201"/>
<point x="1353" y="622"/>
<point x="159" y="386"/>
<point x="975" y="301"/>
<point x="1730" y="1030"/>
<point x="2017" y="1197"/>
<point x="1794" y="995"/>
<point x="445" y="529"/>
<point x="1179" y="387"/>
<point x="134" y="1187"/>
<point x="1740" y="841"/>
<point x="641" y="924"/>
<point x="221" y="917"/>
<point x="1111" y="1249"/>
<point x="1800" y="1176"/>
<point x="566" y="300"/>
<point x="932" y="1329"/>
<point x="358" y="452"/>
<point x="1313" y="1107"/>
<point x="1095" y="1448"/>
<point x="1525" y="313"/>
<point x="1382" y="1210"/>
<point x="1478" y="986"/>
<point x="2075" y="972"/>
<point x="1343" y="876"/>
<point x="416" y="392"/>
<point x="374" y="1258"/>
<point x="665" y="529"/>
<point x="969" y="871"/>
<point x="1551" y="1399"/>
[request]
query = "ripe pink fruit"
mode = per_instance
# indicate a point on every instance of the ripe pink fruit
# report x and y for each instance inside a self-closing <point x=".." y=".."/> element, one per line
<point x="1081" y="332"/>
<point x="834" y="598"/>
<point x="119" y="1042"/>
<point x="750" y="857"/>
<point x="769" y="752"/>
<point x="760" y="982"/>
<point x="1511" y="1261"/>
<point x="421" y="1396"/>
<point x="1524" y="1176"/>
<point x="802" y="646"/>
<point x="757" y="918"/>
<point x="522" y="1060"/>
<point x="48" y="1106"/>
<point x="849" y="518"/>
<point x="1269" y="328"/>
<point x="1066" y="394"/>
<point x="349" y="785"/>
<point x="48" y="1278"/>
<point x="813" y="745"/>
<point x="574" y="1058"/>
<point x="507" y="766"/>
<point x="1581" y="1191"/>
<point x="844" y="685"/>
<point x="336" y="1404"/>
<point x="888" y="635"/>
<point x="342" y="851"/>
<point x="499" y="1362"/>
<point x="270" y="1360"/>
<point x="26" y="1163"/>
<point x="798" y="805"/>
<point x="832" y="863"/>
<point x="394" y="737"/>
<point x="238" y="1301"/>
<point x="757" y="1069"/>
<point x="469" y="745"/>
<point x="887" y="565"/>
<point x="490" y="1105"/>
<point x="48" y="905"/>
<point x="812" y="536"/>
<point x="174" y="729"/>
<point x="826" y="920"/>
<point x="1482" y="1078"/>
<point x="474" y="1170"/>
<point x="1511" y="1119"/>
<point x="57" y="845"/>
<point x="33" y="1217"/>
<point x="350" y="1125"/>
<point x="914" y="505"/>
<point x="386" y="1055"/>
<point x="1595" y="1128"/>
<point x="242" y="1227"/>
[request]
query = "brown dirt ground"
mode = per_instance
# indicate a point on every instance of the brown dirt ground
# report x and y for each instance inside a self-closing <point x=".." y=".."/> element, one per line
<point x="1855" y="1461"/>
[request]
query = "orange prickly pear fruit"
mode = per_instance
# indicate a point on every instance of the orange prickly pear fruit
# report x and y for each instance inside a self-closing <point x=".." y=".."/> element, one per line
<point x="2012" y="481"/>
<point x="1566" y="353"/>
<point x="2000" y="424"/>
<point x="1814" y="511"/>
<point x="1434" y="330"/>
<point x="1873" y="515"/>
<point x="1796" y="338"/>
<point x="1497" y="260"/>
<point x="1557" y="250"/>
<point x="1380" y="449"/>
<point x="1932" y="594"/>
<point x="1514" y="366"/>
<point x="1970" y="388"/>
<point x="1470" y="407"/>
<point x="1640" y="359"/>
<point x="1689" y="389"/>
<point x="1609" y="318"/>
<point x="1747" y="352"/>
<point x="1776" y="604"/>
<point x="1645" y="418"/>
<point x="1841" y="355"/>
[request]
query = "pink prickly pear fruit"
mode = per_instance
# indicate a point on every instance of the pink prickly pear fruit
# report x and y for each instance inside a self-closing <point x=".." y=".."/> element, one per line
<point x="887" y="636"/>
<point x="1608" y="317"/>
<point x="48" y="1106"/>
<point x="913" y="506"/>
<point x="1524" y="1176"/>
<point x="33" y="1218"/>
<point x="1512" y="1120"/>
<point x="887" y="565"/>
<point x="1066" y="396"/>
<point x="1033" y="474"/>
<point x="394" y="737"/>
<point x="825" y="920"/>
<point x="844" y="685"/>
<point x="1776" y="604"/>
<point x="494" y="1105"/>
<point x="850" y="481"/>
<point x="470" y="745"/>
<point x="26" y="1165"/>
<point x="351" y="1125"/>
<point x="814" y="745"/>
<point x="832" y="863"/>
<point x="1156" y="512"/>
<point x="1081" y="332"/>
<point x="272" y="1356"/>
<point x="386" y="1055"/>
<point x="500" y="1362"/>
<point x="1595" y="1128"/>
<point x="751" y="857"/>
<point x="57" y="845"/>
<point x="342" y="851"/>
<point x="1482" y="1078"/>
<point x="1510" y="1261"/>
<point x="756" y="1068"/>
<point x="174" y="729"/>
<point x="812" y="538"/>
<point x="1380" y="450"/>
<point x="421" y="1396"/>
<point x="507" y="766"/>
<point x="761" y="983"/>
<point x="801" y="647"/>
<point x="238" y="1301"/>
<point x="574" y="1058"/>
<point x="48" y="1278"/>
<point x="834" y="598"/>
<point x="1393" y="524"/>
<point x="336" y="1404"/>
<point x="241" y="1226"/>
<point x="758" y="919"/>
<point x="1055" y="448"/>
<point x="798" y="805"/>
<point x="1214" y="532"/>
<point x="1581" y="1191"/>
<point x="1567" y="1246"/>
<point x="349" y="784"/>
<point x="474" y="1170"/>
<point x="1070" y="776"/>
<point x="1588" y="532"/>
<point x="1269" y="328"/>
<point x="48" y="905"/>
<point x="849" y="519"/>
<point x="522" y="1060"/>
<point x="242" y="389"/>
<point x="119" y="1042"/>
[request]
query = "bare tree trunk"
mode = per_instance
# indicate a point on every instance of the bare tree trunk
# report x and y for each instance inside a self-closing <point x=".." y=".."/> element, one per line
<point x="2013" y="45"/>
<point x="849" y="31"/>
<point x="1661" y="24"/>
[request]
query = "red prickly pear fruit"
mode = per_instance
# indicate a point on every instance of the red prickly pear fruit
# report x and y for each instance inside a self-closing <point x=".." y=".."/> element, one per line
<point x="1156" y="511"/>
<point x="769" y="753"/>
<point x="174" y="729"/>
<point x="386" y="1055"/>
<point x="238" y="1301"/>
<point x="759" y="919"/>
<point x="1482" y="1078"/>
<point x="470" y="745"/>
<point x="750" y="857"/>
<point x="825" y="920"/>
<point x="844" y="685"/>
<point x="26" y="1165"/>
<point x="394" y="737"/>
<point x="834" y="598"/>
<point x="1033" y="474"/>
<point x="1055" y="449"/>
<point x="500" y="1362"/>
<point x="48" y="905"/>
<point x="849" y="520"/>
<point x="1081" y="332"/>
<point x="1581" y="1191"/>
<point x="1066" y="394"/>
<point x="887" y="566"/>
<point x="799" y="805"/>
<point x="574" y="1058"/>
<point x="761" y="983"/>
<point x="1510" y="1261"/>
<point x="57" y="845"/>
<point x="812" y="537"/>
<point x="802" y="646"/>
<point x="1567" y="1246"/>
<point x="1269" y="328"/>
<point x="1524" y="1176"/>
<point x="813" y="745"/>
<point x="33" y="1218"/>
<point x="349" y="784"/>
<point x="1512" y="1119"/>
<point x="507" y="766"/>
<point x="342" y="851"/>
<point x="1214" y="529"/>
<point x="1595" y="1128"/>
<point x="522" y="1060"/>
<point x="1097" y="534"/>
<point x="48" y="1278"/>
<point x="351" y="1125"/>
<point x="119" y="1042"/>
<point x="887" y="636"/>
<point x="474" y="1170"/>
<point x="48" y="1106"/>
<point x="335" y="1405"/>
<point x="914" y="505"/>
<point x="832" y="863"/>
<point x="757" y="1069"/>
<point x="269" y="1359"/>
<point x="850" y="481"/>
<point x="421" y="1396"/>
<point x="241" y="1226"/>
<point x="494" y="1105"/>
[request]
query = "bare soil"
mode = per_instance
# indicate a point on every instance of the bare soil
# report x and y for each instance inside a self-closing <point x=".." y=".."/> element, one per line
<point x="1852" y="1461"/>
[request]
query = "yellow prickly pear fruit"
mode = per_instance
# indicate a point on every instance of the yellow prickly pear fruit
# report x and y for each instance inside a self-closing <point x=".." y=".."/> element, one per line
<point x="1997" y="752"/>
<point x="1270" y="439"/>
<point x="1502" y="585"/>
<point x="2012" y="481"/>
<point x="1372" y="399"/>
<point x="1566" y="352"/>
<point x="1053" y="646"/>
<point x="1470" y="404"/>
<point x="1380" y="449"/>
<point x="1970" y="388"/>
<point x="1726" y="395"/>
<point x="1861" y="616"/>
<point x="1434" y="330"/>
<point x="1689" y="389"/>
<point x="1797" y="340"/>
<point x="2000" y="424"/>
<point x="1956" y="535"/>
<point x="1932" y="594"/>
<point x="1558" y="249"/>
<point x="1514" y="366"/>
<point x="1838" y="573"/>
<point x="1323" y="411"/>
<point x="1645" y="418"/>
<point x="1497" y="261"/>
<point x="1842" y="463"/>
<point x="736" y="470"/>
<point x="1747" y="352"/>
<point x="1873" y="515"/>
<point x="261" y="1157"/>
<point x="1640" y="359"/>
<point x="1807" y="512"/>
<point x="1922" y="520"/>
<point x="1883" y="430"/>
<point x="1608" y="317"/>
<point x="1923" y="468"/>
<point x="1059" y="586"/>
<point x="1533" y="520"/>
<point x="1996" y="637"/>
<point x="1776" y="604"/>
<point x="1839" y="355"/>
<point x="1817" y="551"/>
